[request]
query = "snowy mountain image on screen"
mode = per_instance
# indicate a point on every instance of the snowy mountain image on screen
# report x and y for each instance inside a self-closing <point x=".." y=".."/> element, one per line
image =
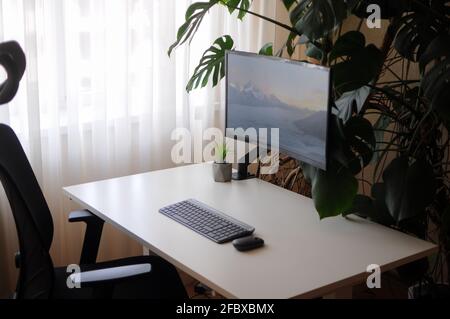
<point x="301" y="127"/>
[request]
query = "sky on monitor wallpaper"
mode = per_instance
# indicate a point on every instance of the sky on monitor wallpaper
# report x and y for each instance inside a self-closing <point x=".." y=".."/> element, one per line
<point x="267" y="93"/>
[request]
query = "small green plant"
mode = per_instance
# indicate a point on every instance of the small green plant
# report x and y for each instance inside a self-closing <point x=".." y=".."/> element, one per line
<point x="222" y="151"/>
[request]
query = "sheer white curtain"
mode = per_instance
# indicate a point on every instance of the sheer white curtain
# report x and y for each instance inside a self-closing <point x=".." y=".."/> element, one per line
<point x="100" y="98"/>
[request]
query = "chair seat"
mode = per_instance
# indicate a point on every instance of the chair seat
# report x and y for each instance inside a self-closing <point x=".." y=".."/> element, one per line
<point x="163" y="282"/>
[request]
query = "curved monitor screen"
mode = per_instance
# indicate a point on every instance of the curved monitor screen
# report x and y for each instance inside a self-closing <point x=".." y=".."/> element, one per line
<point x="267" y="92"/>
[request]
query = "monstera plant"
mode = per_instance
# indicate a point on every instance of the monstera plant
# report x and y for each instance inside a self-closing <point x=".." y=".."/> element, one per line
<point x="390" y="142"/>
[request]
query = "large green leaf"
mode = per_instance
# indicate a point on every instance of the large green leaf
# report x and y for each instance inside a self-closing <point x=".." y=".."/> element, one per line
<point x="290" y="44"/>
<point x="419" y="27"/>
<point x="351" y="102"/>
<point x="314" y="52"/>
<point x="381" y="213"/>
<point x="372" y="207"/>
<point x="438" y="48"/>
<point x="355" y="151"/>
<point x="360" y="66"/>
<point x="362" y="205"/>
<point x="351" y="144"/>
<point x="194" y="17"/>
<point x="436" y="87"/>
<point x="317" y="19"/>
<point x="332" y="190"/>
<point x="361" y="139"/>
<point x="351" y="46"/>
<point x="436" y="82"/>
<point x="348" y="44"/>
<point x="410" y="188"/>
<point x="267" y="49"/>
<point x="339" y="149"/>
<point x="351" y="148"/>
<point x="413" y="37"/>
<point x="211" y="64"/>
<point x="240" y="5"/>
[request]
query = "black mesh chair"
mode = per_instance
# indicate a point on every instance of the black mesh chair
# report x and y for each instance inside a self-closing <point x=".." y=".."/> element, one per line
<point x="136" y="277"/>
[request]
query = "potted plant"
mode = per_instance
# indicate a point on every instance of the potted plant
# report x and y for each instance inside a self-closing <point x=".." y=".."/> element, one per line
<point x="222" y="171"/>
<point x="389" y="133"/>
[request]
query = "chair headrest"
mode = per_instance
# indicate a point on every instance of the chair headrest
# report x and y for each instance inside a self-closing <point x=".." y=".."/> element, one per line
<point x="12" y="58"/>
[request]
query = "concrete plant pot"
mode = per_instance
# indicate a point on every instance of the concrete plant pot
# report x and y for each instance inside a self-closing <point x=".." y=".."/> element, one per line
<point x="222" y="172"/>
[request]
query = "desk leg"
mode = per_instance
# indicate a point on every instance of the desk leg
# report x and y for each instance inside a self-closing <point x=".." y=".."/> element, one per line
<point x="341" y="293"/>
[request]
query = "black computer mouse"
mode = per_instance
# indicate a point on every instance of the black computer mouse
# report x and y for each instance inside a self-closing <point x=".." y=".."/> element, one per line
<point x="248" y="243"/>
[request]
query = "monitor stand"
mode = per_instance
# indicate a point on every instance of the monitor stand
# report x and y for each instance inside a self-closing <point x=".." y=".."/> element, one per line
<point x="242" y="173"/>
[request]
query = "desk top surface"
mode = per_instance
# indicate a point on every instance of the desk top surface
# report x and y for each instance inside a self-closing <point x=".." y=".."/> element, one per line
<point x="303" y="256"/>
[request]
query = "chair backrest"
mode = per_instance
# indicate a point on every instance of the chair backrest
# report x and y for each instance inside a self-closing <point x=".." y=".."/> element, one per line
<point x="32" y="217"/>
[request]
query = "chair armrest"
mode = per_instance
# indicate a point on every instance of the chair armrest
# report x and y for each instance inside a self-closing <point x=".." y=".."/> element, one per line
<point x="94" y="228"/>
<point x="82" y="216"/>
<point x="108" y="276"/>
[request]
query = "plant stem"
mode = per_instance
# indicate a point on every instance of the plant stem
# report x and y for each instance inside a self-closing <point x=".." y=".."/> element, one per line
<point x="400" y="82"/>
<point x="280" y="24"/>
<point x="393" y="97"/>
<point x="360" y="24"/>
<point x="390" y="131"/>
<point x="387" y="143"/>
<point x="385" y="151"/>
<point x="388" y="68"/>
<point x="365" y="181"/>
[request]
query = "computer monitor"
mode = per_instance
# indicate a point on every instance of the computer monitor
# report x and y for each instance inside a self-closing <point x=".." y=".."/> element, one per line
<point x="269" y="92"/>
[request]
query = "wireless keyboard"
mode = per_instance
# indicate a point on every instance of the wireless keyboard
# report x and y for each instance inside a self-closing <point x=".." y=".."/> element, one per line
<point x="207" y="221"/>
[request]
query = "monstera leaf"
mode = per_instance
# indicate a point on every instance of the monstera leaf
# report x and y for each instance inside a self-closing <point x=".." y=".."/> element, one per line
<point x="373" y="207"/>
<point x="351" y="148"/>
<point x="418" y="28"/>
<point x="198" y="10"/>
<point x="348" y="44"/>
<point x="332" y="190"/>
<point x="267" y="49"/>
<point x="212" y="63"/>
<point x="241" y="5"/>
<point x="361" y="139"/>
<point x="314" y="52"/>
<point x="360" y="65"/>
<point x="351" y="103"/>
<point x="290" y="45"/>
<point x="409" y="188"/>
<point x="352" y="143"/>
<point x="362" y="205"/>
<point x="317" y="19"/>
<point x="436" y="82"/>
<point x="194" y="17"/>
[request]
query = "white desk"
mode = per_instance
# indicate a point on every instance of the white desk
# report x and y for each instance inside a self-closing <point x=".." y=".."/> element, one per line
<point x="303" y="257"/>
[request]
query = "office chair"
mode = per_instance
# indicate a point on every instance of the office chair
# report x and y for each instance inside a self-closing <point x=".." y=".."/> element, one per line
<point x="136" y="277"/>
